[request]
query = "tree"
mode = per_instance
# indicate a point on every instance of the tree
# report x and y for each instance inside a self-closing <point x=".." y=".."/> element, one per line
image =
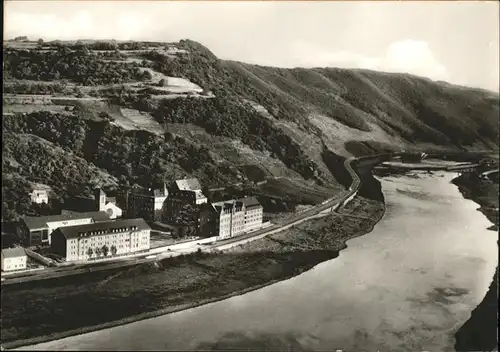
<point x="147" y="76"/>
<point x="181" y="232"/>
<point x="104" y="115"/>
<point x="105" y="250"/>
<point x="169" y="136"/>
<point x="206" y="90"/>
<point x="113" y="250"/>
<point x="90" y="252"/>
<point x="40" y="42"/>
<point x="187" y="215"/>
<point x="98" y="251"/>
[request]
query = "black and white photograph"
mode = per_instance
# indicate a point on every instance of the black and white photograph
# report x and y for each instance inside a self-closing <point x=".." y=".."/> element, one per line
<point x="250" y="176"/>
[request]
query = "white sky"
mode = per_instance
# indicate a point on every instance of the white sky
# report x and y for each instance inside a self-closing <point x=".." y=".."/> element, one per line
<point x="452" y="41"/>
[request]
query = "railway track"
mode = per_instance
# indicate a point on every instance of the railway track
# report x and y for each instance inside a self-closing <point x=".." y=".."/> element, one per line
<point x="322" y="209"/>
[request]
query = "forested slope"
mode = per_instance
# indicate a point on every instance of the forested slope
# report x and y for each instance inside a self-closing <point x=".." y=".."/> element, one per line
<point x="249" y="123"/>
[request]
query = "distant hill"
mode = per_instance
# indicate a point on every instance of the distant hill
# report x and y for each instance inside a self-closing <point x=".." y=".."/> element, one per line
<point x="122" y="107"/>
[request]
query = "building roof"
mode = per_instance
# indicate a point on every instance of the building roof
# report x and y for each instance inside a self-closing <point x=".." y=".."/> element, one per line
<point x="140" y="191"/>
<point x="13" y="252"/>
<point x="249" y="201"/>
<point x="188" y="184"/>
<point x="223" y="203"/>
<point x="38" y="222"/>
<point x="143" y="192"/>
<point x="75" y="231"/>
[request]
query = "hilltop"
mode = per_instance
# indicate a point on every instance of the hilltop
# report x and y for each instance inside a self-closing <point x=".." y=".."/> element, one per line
<point x="124" y="113"/>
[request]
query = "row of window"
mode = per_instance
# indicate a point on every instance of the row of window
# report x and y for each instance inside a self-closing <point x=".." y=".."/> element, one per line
<point x="20" y="266"/>
<point x="106" y="231"/>
<point x="253" y="218"/>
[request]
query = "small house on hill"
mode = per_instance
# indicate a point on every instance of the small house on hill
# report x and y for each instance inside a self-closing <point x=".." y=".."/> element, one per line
<point x="39" y="196"/>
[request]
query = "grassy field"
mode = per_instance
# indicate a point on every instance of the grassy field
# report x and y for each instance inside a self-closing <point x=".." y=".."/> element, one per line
<point x="55" y="306"/>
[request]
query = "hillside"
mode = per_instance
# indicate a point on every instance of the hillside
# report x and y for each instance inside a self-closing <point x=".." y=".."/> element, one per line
<point x="142" y="113"/>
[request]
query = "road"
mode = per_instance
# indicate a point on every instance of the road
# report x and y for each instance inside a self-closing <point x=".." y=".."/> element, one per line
<point x="488" y="173"/>
<point x="329" y="205"/>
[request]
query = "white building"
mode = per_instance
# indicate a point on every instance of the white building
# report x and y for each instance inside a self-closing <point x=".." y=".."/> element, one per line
<point x="101" y="240"/>
<point x="14" y="259"/>
<point x="38" y="229"/>
<point x="253" y="214"/>
<point x="39" y="196"/>
<point x="231" y="217"/>
<point x="107" y="205"/>
<point x="160" y="196"/>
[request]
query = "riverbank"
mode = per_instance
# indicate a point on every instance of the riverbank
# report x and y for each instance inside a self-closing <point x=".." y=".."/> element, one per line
<point x="479" y="333"/>
<point x="59" y="308"/>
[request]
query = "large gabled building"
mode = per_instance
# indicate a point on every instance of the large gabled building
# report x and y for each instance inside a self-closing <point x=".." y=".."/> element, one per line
<point x="38" y="229"/>
<point x="181" y="193"/>
<point x="146" y="204"/>
<point x="101" y="240"/>
<point x="230" y="218"/>
<point x="98" y="202"/>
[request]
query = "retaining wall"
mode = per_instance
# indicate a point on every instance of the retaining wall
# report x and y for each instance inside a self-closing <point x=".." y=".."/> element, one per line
<point x="21" y="271"/>
<point x="183" y="245"/>
<point x="40" y="258"/>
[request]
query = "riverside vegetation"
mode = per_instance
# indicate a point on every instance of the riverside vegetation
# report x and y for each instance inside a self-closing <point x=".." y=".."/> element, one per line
<point x="479" y="333"/>
<point x="117" y="296"/>
<point x="293" y="127"/>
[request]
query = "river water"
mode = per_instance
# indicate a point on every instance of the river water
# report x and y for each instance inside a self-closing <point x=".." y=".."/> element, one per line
<point x="406" y="286"/>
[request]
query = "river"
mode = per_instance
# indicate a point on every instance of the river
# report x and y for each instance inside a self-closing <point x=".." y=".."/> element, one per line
<point x="406" y="286"/>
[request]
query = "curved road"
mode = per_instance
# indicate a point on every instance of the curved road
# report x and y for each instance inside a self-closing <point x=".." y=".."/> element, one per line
<point x="321" y="210"/>
<point x="329" y="205"/>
